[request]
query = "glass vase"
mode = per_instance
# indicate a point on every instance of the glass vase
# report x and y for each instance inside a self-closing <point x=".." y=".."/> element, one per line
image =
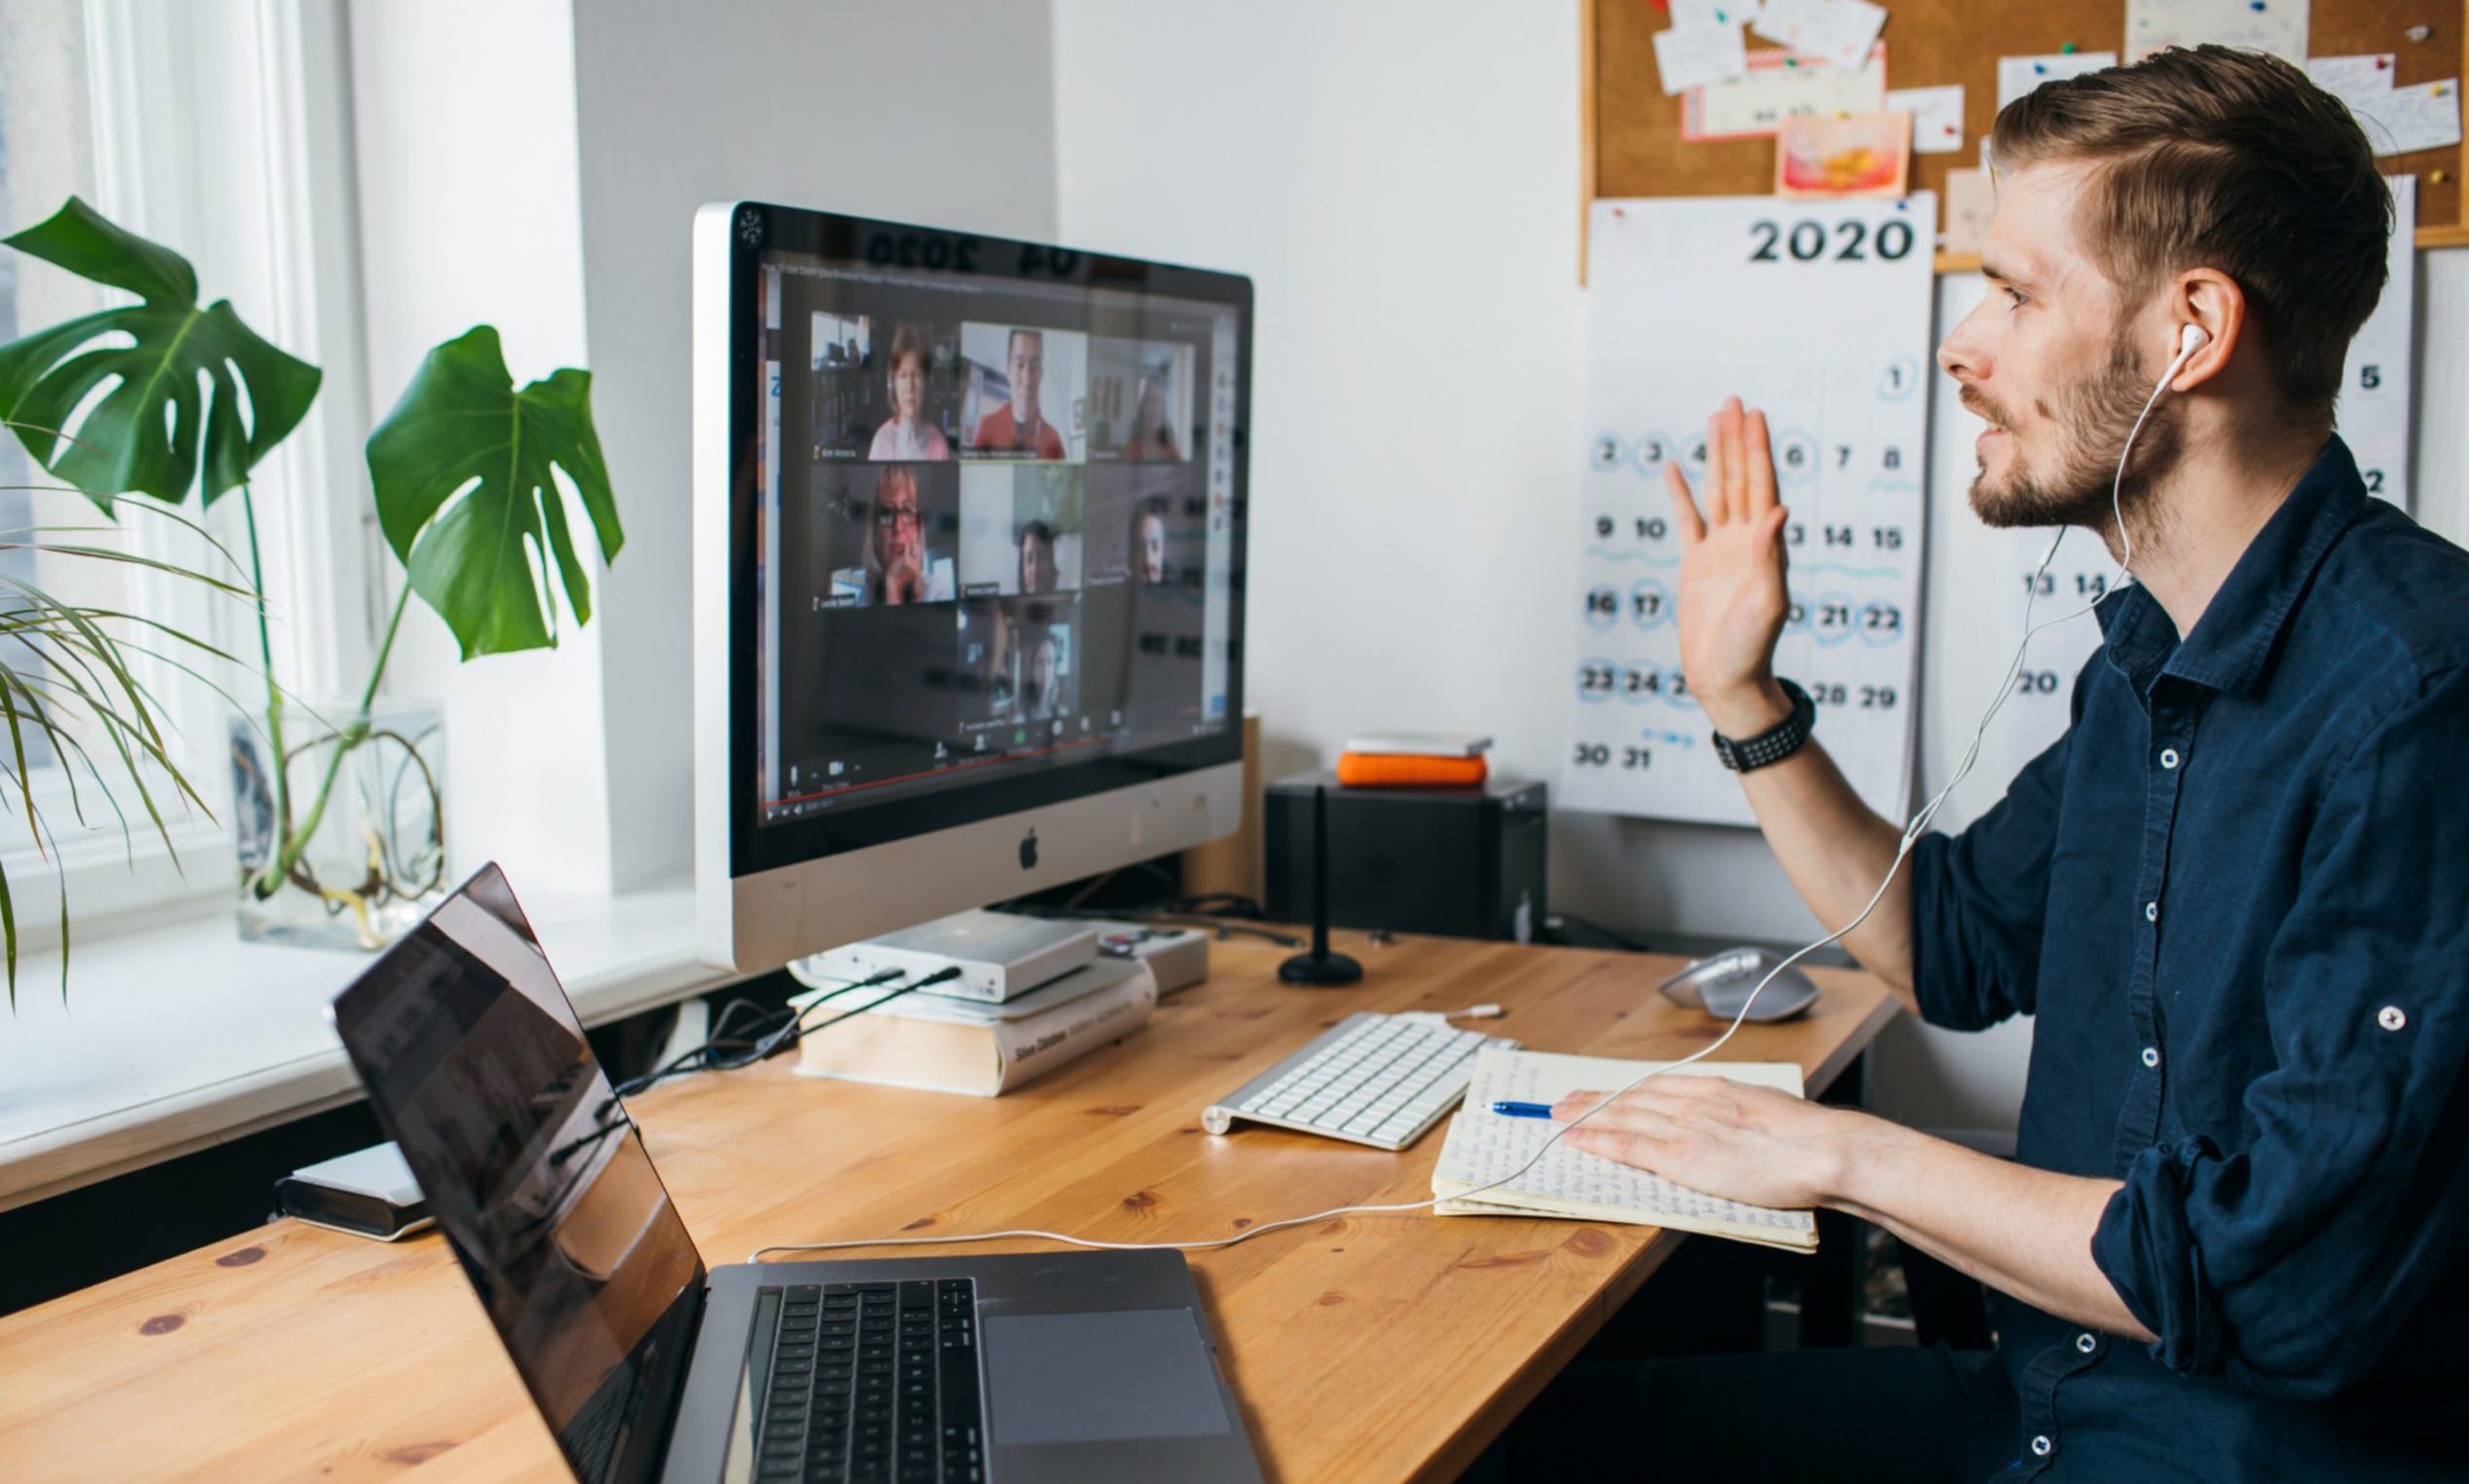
<point x="343" y="844"/>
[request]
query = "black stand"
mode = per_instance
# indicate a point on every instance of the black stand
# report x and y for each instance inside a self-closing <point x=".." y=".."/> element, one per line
<point x="1320" y="968"/>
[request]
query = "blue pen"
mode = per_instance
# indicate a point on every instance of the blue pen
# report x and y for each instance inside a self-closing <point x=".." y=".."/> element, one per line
<point x="1523" y="1110"/>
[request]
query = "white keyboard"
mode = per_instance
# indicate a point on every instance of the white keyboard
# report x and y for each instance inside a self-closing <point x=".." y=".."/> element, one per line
<point x="1377" y="1079"/>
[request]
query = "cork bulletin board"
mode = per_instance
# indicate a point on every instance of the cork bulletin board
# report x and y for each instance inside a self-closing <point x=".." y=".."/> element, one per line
<point x="1632" y="144"/>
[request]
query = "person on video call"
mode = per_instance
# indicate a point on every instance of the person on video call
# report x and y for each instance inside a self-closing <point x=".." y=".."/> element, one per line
<point x="1018" y="424"/>
<point x="1042" y="692"/>
<point x="898" y="569"/>
<point x="1149" y="543"/>
<point x="2234" y="1241"/>
<point x="1152" y="435"/>
<point x="1037" y="558"/>
<point x="906" y="433"/>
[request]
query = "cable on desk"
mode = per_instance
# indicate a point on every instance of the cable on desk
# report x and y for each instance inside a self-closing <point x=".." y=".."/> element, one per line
<point x="720" y="1052"/>
<point x="1558" y="921"/>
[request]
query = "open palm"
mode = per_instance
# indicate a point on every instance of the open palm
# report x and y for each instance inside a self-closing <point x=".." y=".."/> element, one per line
<point x="1732" y="597"/>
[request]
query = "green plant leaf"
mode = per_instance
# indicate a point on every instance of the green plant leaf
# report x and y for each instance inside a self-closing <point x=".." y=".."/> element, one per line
<point x="463" y="473"/>
<point x="154" y="430"/>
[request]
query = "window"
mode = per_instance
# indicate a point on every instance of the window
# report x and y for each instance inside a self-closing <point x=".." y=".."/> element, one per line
<point x="210" y="128"/>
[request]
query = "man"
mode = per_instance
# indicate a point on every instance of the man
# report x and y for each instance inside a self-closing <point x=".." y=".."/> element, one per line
<point x="1018" y="424"/>
<point x="1037" y="558"/>
<point x="2235" y="1243"/>
<point x="1149" y="543"/>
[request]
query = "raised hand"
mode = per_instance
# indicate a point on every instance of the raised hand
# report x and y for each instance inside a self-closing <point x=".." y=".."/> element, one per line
<point x="1732" y="599"/>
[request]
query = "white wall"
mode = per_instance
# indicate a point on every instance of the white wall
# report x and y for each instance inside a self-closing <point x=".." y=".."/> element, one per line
<point x="1401" y="179"/>
<point x="537" y="166"/>
<point x="464" y="125"/>
<point x="936" y="111"/>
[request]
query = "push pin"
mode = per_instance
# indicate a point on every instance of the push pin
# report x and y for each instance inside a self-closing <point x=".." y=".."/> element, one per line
<point x="2255" y="5"/>
<point x="2065" y="49"/>
<point x="2439" y="176"/>
<point x="2418" y="32"/>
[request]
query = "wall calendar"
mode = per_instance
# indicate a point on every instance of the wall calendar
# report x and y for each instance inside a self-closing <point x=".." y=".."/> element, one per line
<point x="1819" y="313"/>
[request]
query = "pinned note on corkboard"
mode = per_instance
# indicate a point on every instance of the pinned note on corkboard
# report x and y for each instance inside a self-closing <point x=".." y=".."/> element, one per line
<point x="1635" y="145"/>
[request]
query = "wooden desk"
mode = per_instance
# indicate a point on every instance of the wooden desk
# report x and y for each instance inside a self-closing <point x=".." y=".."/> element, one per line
<point x="1383" y="1348"/>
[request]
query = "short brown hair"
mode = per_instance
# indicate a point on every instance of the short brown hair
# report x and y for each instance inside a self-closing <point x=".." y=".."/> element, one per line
<point x="2212" y="156"/>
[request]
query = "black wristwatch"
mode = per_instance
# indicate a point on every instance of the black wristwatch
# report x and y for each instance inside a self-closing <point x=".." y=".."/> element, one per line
<point x="1776" y="743"/>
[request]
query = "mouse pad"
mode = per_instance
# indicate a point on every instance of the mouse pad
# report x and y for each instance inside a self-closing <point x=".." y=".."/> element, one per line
<point x="1084" y="1378"/>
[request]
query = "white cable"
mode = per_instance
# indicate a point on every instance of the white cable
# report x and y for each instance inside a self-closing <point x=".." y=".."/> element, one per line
<point x="1913" y="830"/>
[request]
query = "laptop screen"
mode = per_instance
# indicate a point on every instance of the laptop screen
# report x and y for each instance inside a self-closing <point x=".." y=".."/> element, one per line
<point x="477" y="1068"/>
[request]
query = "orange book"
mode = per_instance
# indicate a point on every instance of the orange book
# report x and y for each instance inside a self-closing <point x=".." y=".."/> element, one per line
<point x="1395" y="769"/>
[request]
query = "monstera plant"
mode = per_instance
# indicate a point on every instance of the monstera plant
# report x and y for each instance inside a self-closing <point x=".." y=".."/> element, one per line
<point x="169" y="396"/>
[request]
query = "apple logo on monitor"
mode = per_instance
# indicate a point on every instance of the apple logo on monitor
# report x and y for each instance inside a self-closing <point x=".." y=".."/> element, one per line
<point x="1029" y="852"/>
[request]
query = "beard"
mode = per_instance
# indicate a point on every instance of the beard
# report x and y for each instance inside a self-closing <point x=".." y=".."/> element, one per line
<point x="2096" y="413"/>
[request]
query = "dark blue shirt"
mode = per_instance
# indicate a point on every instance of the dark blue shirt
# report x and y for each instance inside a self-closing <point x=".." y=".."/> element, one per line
<point x="2235" y="895"/>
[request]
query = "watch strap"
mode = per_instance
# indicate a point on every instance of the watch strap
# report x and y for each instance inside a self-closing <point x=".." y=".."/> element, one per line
<point x="1776" y="743"/>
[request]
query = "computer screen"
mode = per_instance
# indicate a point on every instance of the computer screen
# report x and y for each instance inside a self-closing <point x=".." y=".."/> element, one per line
<point x="969" y="570"/>
<point x="997" y="530"/>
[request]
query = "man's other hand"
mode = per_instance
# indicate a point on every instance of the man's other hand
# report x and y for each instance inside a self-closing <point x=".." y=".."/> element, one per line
<point x="1722" y="1138"/>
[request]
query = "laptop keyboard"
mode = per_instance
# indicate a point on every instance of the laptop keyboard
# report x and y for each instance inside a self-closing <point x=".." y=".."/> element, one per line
<point x="874" y="1384"/>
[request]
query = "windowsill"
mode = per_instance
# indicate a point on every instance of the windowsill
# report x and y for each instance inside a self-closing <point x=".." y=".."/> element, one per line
<point x="179" y="1037"/>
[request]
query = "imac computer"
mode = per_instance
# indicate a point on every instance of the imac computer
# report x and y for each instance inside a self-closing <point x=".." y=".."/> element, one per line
<point x="968" y="571"/>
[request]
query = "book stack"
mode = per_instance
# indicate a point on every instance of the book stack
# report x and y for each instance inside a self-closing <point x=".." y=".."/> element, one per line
<point x="948" y="1043"/>
<point x="1486" y="1148"/>
<point x="1413" y="760"/>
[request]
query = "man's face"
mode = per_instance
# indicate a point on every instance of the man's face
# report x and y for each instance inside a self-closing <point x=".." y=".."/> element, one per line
<point x="1037" y="563"/>
<point x="1026" y="371"/>
<point x="1041" y="668"/>
<point x="1150" y="558"/>
<point x="2052" y="360"/>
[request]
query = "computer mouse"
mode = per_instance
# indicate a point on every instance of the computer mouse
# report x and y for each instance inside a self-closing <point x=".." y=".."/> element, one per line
<point x="1721" y="983"/>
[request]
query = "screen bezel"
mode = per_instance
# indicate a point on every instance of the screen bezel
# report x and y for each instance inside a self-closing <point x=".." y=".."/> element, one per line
<point x="757" y="228"/>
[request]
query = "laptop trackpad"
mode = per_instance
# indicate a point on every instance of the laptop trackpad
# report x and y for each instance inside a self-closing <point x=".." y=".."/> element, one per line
<point x="1086" y="1378"/>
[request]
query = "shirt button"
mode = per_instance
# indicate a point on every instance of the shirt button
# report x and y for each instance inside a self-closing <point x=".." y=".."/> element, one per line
<point x="2391" y="1017"/>
<point x="2087" y="1342"/>
<point x="2151" y="1056"/>
<point x="2041" y="1445"/>
<point x="2151" y="912"/>
<point x="2169" y="757"/>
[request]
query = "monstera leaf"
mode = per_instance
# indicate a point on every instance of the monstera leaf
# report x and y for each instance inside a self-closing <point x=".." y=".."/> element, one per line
<point x="465" y="493"/>
<point x="154" y="430"/>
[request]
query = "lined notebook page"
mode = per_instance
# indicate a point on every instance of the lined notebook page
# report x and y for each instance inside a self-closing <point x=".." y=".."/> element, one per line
<point x="1483" y="1147"/>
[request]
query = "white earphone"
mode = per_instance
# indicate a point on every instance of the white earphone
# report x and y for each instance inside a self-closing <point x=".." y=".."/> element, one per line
<point x="2191" y="340"/>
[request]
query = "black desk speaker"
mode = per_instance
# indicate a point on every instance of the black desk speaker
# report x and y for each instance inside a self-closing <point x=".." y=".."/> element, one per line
<point x="1457" y="862"/>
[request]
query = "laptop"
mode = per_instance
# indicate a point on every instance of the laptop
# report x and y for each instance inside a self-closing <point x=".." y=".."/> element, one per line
<point x="647" y="1365"/>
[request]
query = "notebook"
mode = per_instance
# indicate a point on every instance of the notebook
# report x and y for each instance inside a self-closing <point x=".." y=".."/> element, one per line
<point x="1484" y="1147"/>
